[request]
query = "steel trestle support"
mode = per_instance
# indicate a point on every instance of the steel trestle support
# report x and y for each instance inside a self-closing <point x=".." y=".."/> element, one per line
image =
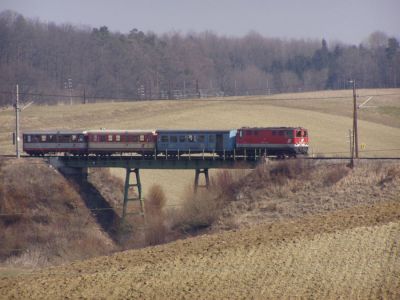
<point x="196" y="179"/>
<point x="129" y="185"/>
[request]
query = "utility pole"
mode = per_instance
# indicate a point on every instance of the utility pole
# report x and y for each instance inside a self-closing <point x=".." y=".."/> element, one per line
<point x="17" y="110"/>
<point x="351" y="143"/>
<point x="355" y="125"/>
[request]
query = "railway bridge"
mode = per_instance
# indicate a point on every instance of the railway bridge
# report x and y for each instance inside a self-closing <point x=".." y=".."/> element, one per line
<point x="78" y="167"/>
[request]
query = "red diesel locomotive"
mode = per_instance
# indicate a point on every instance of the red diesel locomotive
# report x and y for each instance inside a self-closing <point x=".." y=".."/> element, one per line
<point x="273" y="141"/>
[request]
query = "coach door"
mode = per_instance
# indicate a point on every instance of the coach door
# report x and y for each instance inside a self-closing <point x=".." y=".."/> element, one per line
<point x="219" y="142"/>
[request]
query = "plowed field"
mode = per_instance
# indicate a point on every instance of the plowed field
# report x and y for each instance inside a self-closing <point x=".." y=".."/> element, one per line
<point x="350" y="253"/>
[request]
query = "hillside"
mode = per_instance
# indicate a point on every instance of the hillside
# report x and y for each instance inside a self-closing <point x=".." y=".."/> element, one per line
<point x="43" y="220"/>
<point x="296" y="230"/>
<point x="294" y="189"/>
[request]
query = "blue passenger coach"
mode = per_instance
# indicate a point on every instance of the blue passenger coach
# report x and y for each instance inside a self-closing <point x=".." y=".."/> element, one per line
<point x="195" y="141"/>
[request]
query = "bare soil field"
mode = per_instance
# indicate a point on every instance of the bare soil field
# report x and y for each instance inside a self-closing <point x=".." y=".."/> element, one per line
<point x="351" y="253"/>
<point x="327" y="114"/>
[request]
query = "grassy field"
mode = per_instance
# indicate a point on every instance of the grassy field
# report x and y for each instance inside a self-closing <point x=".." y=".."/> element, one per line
<point x="327" y="115"/>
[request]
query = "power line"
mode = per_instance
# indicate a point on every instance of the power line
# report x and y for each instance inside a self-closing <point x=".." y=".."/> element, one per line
<point x="203" y="99"/>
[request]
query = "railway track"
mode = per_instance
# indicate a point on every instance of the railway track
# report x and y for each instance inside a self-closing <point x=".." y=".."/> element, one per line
<point x="192" y="158"/>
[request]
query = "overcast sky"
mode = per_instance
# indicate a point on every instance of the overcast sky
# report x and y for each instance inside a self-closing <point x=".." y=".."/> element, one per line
<point x="349" y="21"/>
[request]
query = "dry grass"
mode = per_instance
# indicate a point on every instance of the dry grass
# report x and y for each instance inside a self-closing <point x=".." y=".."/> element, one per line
<point x="156" y="230"/>
<point x="197" y="212"/>
<point x="111" y="187"/>
<point x="43" y="219"/>
<point x="292" y="189"/>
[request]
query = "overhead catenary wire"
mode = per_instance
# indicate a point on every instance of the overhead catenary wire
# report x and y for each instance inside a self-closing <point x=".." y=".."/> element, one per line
<point x="219" y="98"/>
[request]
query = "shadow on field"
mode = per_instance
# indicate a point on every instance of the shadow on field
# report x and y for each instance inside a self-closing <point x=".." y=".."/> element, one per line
<point x="102" y="211"/>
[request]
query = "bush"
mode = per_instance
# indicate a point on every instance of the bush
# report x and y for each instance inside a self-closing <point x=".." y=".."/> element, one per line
<point x="155" y="229"/>
<point x="199" y="211"/>
<point x="334" y="174"/>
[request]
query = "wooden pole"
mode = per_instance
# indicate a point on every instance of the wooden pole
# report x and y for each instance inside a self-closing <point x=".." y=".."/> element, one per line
<point x="17" y="154"/>
<point x="355" y="125"/>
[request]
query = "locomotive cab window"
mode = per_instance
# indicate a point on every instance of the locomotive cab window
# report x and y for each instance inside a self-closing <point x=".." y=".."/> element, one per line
<point x="298" y="134"/>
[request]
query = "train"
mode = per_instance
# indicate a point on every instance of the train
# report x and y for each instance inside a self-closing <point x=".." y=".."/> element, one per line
<point x="279" y="142"/>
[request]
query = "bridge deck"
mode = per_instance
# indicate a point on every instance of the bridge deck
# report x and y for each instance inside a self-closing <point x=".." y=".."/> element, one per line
<point x="138" y="163"/>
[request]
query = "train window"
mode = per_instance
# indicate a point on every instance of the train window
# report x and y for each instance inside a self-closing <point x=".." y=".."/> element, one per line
<point x="73" y="137"/>
<point x="117" y="138"/>
<point x="240" y="133"/>
<point x="298" y="134"/>
<point x="43" y="138"/>
<point x="110" y="137"/>
<point x="141" y="138"/>
<point x="28" y="138"/>
<point x="201" y="138"/>
<point x="102" y="138"/>
<point x="51" y="138"/>
<point x="182" y="138"/>
<point x="211" y="138"/>
<point x="95" y="138"/>
<point x="191" y="138"/>
<point x="134" y="138"/>
<point x="164" y="138"/>
<point x="81" y="138"/>
<point x="173" y="139"/>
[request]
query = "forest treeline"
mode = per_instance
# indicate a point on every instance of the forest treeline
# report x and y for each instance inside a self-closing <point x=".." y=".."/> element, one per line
<point x="66" y="60"/>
